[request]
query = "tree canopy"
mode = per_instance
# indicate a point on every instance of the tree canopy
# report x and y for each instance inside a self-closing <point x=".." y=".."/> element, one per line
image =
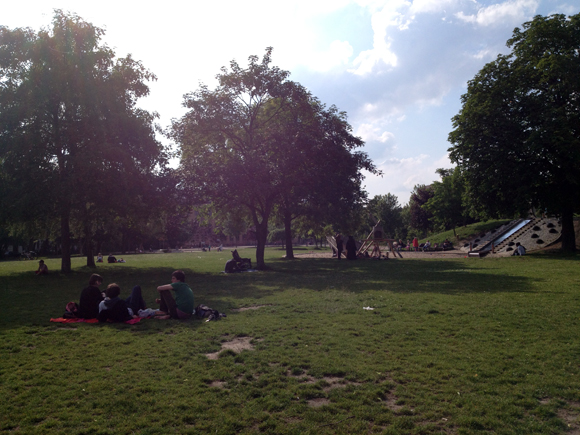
<point x="446" y="204"/>
<point x="388" y="210"/>
<point x="517" y="137"/>
<point x="70" y="131"/>
<point x="261" y="141"/>
<point x="420" y="217"/>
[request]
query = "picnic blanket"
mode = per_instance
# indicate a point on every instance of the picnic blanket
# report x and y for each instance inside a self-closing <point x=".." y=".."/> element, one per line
<point x="63" y="320"/>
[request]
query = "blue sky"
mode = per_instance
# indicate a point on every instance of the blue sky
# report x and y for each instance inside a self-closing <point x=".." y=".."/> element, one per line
<point x="397" y="67"/>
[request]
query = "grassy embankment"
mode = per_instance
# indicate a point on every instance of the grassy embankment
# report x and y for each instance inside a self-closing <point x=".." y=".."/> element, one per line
<point x="466" y="232"/>
<point x="452" y="346"/>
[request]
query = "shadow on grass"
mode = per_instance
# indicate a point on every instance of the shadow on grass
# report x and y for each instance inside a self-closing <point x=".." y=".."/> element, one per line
<point x="411" y="276"/>
<point x="29" y="299"/>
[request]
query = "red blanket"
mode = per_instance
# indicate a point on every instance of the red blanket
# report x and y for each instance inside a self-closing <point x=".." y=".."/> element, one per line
<point x="63" y="320"/>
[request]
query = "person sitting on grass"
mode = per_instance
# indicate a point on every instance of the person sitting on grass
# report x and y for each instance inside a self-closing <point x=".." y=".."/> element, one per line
<point x="351" y="248"/>
<point x="111" y="259"/>
<point x="182" y="306"/>
<point x="520" y="250"/>
<point x="113" y="308"/>
<point x="42" y="268"/>
<point x="90" y="298"/>
<point x="99" y="258"/>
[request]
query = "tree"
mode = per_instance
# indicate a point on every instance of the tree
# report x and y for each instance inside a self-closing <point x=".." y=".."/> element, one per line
<point x="516" y="139"/>
<point x="420" y="217"/>
<point x="446" y="204"/>
<point x="387" y="209"/>
<point x="70" y="132"/>
<point x="253" y="141"/>
<point x="320" y="174"/>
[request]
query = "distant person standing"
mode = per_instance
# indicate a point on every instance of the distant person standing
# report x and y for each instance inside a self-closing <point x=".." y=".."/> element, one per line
<point x="339" y="246"/>
<point x="415" y="244"/>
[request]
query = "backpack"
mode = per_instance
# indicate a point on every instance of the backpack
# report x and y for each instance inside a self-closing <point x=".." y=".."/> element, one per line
<point x="71" y="310"/>
<point x="204" y="311"/>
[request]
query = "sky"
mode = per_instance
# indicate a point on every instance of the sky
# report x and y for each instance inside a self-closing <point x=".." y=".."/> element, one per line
<point x="397" y="67"/>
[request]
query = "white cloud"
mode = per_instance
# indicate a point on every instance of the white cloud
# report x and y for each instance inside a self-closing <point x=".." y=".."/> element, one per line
<point x="389" y="16"/>
<point x="430" y="6"/>
<point x="369" y="132"/>
<point x="338" y="53"/>
<point x="401" y="175"/>
<point x="501" y="13"/>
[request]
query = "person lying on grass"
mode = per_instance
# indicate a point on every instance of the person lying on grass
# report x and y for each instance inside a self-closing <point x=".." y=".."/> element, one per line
<point x="182" y="306"/>
<point x="113" y="308"/>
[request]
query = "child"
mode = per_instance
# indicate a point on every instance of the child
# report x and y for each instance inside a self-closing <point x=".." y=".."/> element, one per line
<point x="182" y="306"/>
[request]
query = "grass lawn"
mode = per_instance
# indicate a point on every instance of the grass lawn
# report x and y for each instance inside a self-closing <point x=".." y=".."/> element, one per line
<point x="453" y="346"/>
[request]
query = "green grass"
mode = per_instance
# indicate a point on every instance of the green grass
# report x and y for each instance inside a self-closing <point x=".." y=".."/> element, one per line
<point x="453" y="346"/>
<point x="465" y="232"/>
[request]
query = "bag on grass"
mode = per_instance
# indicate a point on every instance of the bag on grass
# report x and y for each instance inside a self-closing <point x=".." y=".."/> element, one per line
<point x="203" y="311"/>
<point x="71" y="310"/>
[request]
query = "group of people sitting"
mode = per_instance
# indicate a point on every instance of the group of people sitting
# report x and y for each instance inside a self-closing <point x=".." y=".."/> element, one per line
<point x="108" y="306"/>
<point x="110" y="259"/>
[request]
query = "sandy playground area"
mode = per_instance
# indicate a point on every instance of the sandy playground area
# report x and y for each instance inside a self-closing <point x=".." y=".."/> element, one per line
<point x="454" y="253"/>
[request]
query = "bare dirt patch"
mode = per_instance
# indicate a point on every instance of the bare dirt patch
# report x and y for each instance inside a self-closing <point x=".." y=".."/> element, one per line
<point x="570" y="418"/>
<point x="391" y="402"/>
<point x="303" y="377"/>
<point x="335" y="382"/>
<point x="252" y="307"/>
<point x="317" y="403"/>
<point x="238" y="344"/>
<point x="217" y="384"/>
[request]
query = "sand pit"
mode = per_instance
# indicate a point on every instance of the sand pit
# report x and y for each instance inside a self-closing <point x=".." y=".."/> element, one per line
<point x="406" y="255"/>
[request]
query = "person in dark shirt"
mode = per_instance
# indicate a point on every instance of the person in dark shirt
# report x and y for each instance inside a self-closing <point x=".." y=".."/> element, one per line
<point x="90" y="298"/>
<point x="113" y="308"/>
<point x="351" y="248"/>
<point x="339" y="245"/>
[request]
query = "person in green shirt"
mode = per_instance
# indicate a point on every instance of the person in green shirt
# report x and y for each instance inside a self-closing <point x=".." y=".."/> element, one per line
<point x="182" y="306"/>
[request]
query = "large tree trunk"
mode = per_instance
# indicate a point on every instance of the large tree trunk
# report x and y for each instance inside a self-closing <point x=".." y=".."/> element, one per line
<point x="65" y="265"/>
<point x="89" y="245"/>
<point x="261" y="234"/>
<point x="261" y="238"/>
<point x="288" y="234"/>
<point x="568" y="235"/>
